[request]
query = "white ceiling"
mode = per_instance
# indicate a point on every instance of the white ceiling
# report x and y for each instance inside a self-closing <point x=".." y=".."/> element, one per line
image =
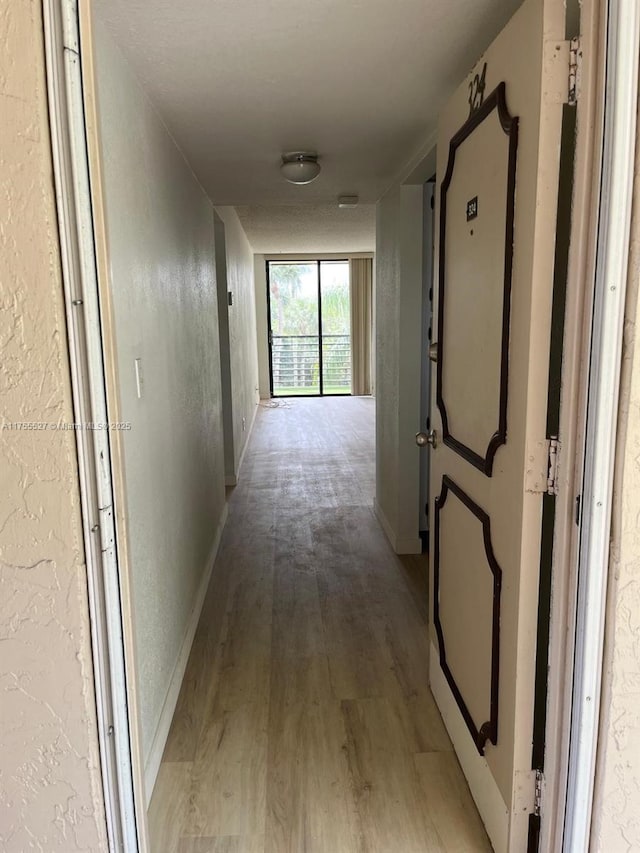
<point x="359" y="81"/>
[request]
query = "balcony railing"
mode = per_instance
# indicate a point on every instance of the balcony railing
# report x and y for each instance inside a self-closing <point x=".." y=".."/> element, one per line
<point x="295" y="364"/>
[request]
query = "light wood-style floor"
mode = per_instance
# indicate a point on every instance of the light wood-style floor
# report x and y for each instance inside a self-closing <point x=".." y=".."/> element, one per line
<point x="305" y="723"/>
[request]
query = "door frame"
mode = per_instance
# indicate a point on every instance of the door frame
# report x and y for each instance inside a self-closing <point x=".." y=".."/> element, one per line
<point x="614" y="32"/>
<point x="100" y="466"/>
<point x="580" y="290"/>
<point x="292" y="260"/>
<point x="590" y="376"/>
<point x="223" y="298"/>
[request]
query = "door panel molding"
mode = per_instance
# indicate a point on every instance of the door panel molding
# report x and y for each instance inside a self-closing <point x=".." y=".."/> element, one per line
<point x="488" y="731"/>
<point x="495" y="101"/>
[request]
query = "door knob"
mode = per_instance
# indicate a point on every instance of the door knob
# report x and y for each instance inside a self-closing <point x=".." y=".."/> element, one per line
<point x="424" y="438"/>
<point x="433" y="351"/>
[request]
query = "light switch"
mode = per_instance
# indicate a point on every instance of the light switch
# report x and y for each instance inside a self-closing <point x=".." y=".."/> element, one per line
<point x="138" y="365"/>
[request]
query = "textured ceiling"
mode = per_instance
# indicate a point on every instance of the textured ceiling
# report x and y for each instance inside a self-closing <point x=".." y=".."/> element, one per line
<point x="309" y="228"/>
<point x="360" y="81"/>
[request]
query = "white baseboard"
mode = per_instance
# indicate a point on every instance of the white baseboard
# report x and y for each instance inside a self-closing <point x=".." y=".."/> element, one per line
<point x="401" y="545"/>
<point x="484" y="790"/>
<point x="246" y="444"/>
<point x="152" y="764"/>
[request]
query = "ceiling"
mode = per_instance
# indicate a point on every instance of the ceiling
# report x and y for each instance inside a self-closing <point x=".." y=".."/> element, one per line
<point x="361" y="82"/>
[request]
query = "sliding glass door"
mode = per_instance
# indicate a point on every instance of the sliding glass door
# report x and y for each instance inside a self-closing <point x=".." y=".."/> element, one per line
<point x="309" y="327"/>
<point x="335" y="317"/>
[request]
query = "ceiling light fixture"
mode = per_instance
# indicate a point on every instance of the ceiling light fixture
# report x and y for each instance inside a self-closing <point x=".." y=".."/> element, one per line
<point x="300" y="167"/>
<point x="347" y="202"/>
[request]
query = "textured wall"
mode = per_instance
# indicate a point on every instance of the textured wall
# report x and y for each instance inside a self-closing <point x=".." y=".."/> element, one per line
<point x="242" y="328"/>
<point x="161" y="245"/>
<point x="398" y="273"/>
<point x="50" y="789"/>
<point x="617" y="806"/>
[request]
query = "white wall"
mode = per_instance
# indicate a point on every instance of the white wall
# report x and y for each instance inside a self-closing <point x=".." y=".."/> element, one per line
<point x="398" y="336"/>
<point x="161" y="245"/>
<point x="242" y="330"/>
<point x="51" y="789"/>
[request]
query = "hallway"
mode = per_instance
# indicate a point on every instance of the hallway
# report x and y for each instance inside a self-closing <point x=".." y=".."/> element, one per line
<point x="305" y="722"/>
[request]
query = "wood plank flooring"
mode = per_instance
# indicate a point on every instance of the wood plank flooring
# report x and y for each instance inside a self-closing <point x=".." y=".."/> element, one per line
<point x="305" y="723"/>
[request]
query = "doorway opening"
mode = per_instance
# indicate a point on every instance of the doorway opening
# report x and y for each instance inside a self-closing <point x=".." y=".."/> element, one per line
<point x="309" y="315"/>
<point x="323" y="332"/>
<point x="223" y="297"/>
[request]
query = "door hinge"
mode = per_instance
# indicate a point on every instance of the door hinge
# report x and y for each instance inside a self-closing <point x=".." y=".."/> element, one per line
<point x="552" y="469"/>
<point x="575" y="55"/>
<point x="537" y="797"/>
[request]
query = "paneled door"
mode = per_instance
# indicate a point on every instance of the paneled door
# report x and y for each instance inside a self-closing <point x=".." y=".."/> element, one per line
<point x="496" y="199"/>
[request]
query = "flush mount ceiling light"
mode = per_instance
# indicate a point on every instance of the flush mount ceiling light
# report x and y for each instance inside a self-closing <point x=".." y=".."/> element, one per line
<point x="300" y="167"/>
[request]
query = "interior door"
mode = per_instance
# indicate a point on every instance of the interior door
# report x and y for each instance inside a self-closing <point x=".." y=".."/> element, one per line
<point x="496" y="199"/>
